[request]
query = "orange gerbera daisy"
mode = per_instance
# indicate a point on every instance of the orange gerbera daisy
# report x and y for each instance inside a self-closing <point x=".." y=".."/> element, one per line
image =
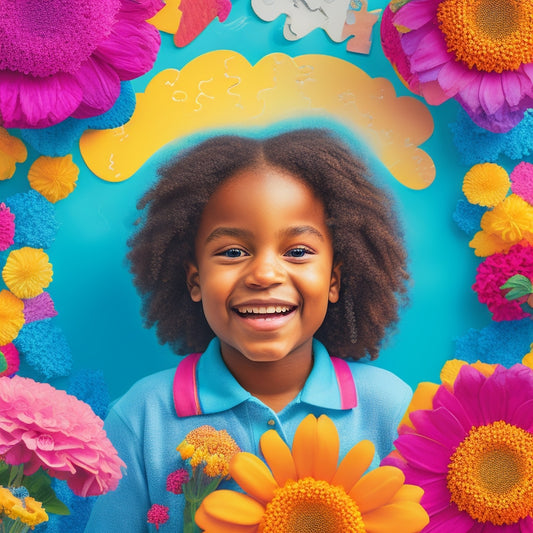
<point x="305" y="490"/>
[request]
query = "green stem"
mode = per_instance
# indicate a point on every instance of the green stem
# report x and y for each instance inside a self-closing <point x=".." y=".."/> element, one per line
<point x="15" y="476"/>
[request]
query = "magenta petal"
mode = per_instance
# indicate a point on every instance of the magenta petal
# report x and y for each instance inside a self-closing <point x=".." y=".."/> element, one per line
<point x="131" y="48"/>
<point x="416" y="13"/>
<point x="101" y="88"/>
<point x="444" y="398"/>
<point x="424" y="453"/>
<point x="454" y="76"/>
<point x="30" y="102"/>
<point x="523" y="416"/>
<point x="139" y="10"/>
<point x="466" y="389"/>
<point x="439" y="425"/>
<point x="430" y="53"/>
<point x="512" y="88"/>
<point x="451" y="520"/>
<point x="526" y="525"/>
<point x="436" y="497"/>
<point x="491" y="94"/>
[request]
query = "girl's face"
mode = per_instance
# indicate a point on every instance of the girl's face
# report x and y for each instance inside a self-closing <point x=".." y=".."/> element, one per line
<point x="264" y="267"/>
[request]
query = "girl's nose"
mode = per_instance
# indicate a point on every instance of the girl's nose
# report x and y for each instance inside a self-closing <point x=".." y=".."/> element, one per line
<point x="264" y="271"/>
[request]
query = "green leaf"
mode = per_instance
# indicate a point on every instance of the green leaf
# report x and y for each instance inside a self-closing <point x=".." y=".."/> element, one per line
<point x="519" y="286"/>
<point x="39" y="486"/>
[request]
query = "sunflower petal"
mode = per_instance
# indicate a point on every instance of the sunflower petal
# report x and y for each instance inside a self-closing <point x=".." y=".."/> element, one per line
<point x="213" y="525"/>
<point x="304" y="447"/>
<point x="327" y="451"/>
<point x="232" y="507"/>
<point x="376" y="488"/>
<point x="404" y="517"/>
<point x="408" y="492"/>
<point x="422" y="399"/>
<point x="253" y="476"/>
<point x="278" y="457"/>
<point x="354" y="465"/>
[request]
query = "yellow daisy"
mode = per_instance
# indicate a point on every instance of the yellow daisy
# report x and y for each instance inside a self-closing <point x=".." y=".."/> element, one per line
<point x="12" y="151"/>
<point x="27" y="272"/>
<point x="305" y="490"/>
<point x="54" y="177"/>
<point x="11" y="316"/>
<point x="486" y="184"/>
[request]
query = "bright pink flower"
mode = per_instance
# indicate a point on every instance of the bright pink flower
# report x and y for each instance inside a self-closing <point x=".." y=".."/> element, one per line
<point x="494" y="272"/>
<point x="157" y="515"/>
<point x="11" y="359"/>
<point x="7" y="227"/>
<point x="41" y="426"/>
<point x="446" y="45"/>
<point x="176" y="480"/>
<point x="63" y="58"/>
<point x="522" y="181"/>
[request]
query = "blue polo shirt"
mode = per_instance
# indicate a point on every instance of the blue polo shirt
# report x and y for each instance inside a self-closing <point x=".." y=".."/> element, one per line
<point x="145" y="428"/>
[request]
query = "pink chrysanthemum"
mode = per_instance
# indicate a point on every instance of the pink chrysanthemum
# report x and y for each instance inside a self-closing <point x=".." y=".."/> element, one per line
<point x="522" y="181"/>
<point x="471" y="452"/>
<point x="176" y="480"/>
<point x="64" y="58"/>
<point x="455" y="49"/>
<point x="494" y="271"/>
<point x="41" y="426"/>
<point x="7" y="227"/>
<point x="157" y="515"/>
<point x="10" y="356"/>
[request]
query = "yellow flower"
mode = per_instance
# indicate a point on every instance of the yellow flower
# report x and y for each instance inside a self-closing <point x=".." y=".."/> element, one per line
<point x="528" y="358"/>
<point x="11" y="316"/>
<point x="12" y="151"/>
<point x="303" y="490"/>
<point x="27" y="272"/>
<point x="214" y="448"/>
<point x="486" y="184"/>
<point x="511" y="220"/>
<point x="54" y="177"/>
<point x="30" y="513"/>
<point x="486" y="244"/>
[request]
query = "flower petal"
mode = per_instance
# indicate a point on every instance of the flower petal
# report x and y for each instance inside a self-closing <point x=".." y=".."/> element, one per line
<point x="354" y="465"/>
<point x="304" y="447"/>
<point x="422" y="399"/>
<point x="101" y="88"/>
<point x="407" y="492"/>
<point x="233" y="508"/>
<point x="327" y="449"/>
<point x="415" y="14"/>
<point x="439" y="425"/>
<point x="424" y="453"/>
<point x="278" y="457"/>
<point x="210" y="524"/>
<point x="253" y="476"/>
<point x="376" y="488"/>
<point x="404" y="517"/>
<point x="491" y="95"/>
<point x="454" y="77"/>
<point x="451" y="519"/>
<point x="131" y="48"/>
<point x="31" y="102"/>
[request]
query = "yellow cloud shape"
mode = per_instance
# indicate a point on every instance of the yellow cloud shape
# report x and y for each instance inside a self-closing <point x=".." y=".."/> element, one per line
<point x="221" y="89"/>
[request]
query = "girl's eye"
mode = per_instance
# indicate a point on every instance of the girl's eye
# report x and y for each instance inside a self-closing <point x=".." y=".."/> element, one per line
<point x="233" y="253"/>
<point x="298" y="253"/>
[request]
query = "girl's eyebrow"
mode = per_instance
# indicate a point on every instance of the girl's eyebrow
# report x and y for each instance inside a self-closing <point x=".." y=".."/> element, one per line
<point x="241" y="233"/>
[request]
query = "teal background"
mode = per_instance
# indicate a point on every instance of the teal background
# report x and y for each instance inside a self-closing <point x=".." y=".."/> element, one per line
<point x="99" y="310"/>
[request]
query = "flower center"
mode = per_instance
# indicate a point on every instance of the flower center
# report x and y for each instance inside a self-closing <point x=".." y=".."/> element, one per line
<point x="489" y="35"/>
<point x="310" y="505"/>
<point x="43" y="38"/>
<point x="490" y="475"/>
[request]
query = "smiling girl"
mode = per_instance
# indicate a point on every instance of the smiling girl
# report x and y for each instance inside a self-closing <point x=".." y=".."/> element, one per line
<point x="278" y="265"/>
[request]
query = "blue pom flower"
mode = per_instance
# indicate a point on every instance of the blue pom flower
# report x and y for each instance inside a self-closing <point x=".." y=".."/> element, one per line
<point x="468" y="216"/>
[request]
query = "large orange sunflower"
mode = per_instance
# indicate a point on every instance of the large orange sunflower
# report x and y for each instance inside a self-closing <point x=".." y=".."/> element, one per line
<point x="305" y="490"/>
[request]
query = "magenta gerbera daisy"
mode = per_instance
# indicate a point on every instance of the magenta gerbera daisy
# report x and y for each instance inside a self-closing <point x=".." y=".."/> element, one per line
<point x="479" y="52"/>
<point x="472" y="452"/>
<point x="63" y="58"/>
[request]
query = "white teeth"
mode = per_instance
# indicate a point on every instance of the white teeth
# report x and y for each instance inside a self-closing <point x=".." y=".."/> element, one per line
<point x="264" y="310"/>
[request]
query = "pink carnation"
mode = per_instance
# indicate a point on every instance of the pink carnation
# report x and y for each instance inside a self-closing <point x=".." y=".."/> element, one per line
<point x="494" y="272"/>
<point x="522" y="181"/>
<point x="157" y="515"/>
<point x="41" y="426"/>
<point x="7" y="227"/>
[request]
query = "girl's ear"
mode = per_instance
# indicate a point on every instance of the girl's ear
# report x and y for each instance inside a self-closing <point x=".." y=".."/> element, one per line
<point x="335" y="284"/>
<point x="193" y="282"/>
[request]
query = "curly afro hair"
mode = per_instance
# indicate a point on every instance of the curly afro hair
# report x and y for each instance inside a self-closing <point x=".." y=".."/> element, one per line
<point x="366" y="237"/>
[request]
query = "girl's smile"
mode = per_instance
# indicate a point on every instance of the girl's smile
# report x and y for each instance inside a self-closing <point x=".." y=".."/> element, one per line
<point x="264" y="265"/>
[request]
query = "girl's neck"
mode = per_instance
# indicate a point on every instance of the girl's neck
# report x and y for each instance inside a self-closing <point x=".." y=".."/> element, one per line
<point x="275" y="383"/>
